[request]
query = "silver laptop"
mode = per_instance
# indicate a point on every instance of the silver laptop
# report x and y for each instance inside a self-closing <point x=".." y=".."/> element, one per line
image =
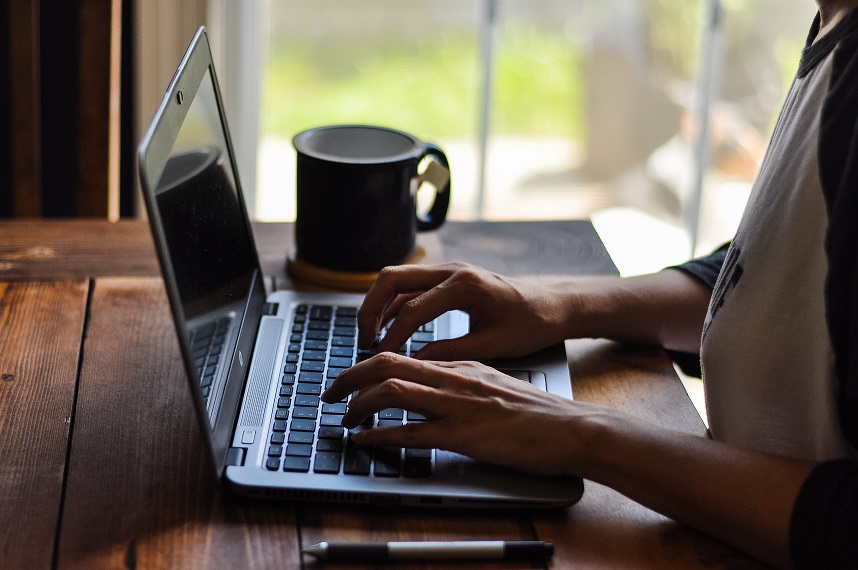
<point x="257" y="364"/>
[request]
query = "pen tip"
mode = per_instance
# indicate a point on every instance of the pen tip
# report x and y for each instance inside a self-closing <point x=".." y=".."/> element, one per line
<point x="316" y="550"/>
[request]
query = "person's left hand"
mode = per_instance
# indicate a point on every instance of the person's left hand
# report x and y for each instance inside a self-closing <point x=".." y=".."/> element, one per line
<point x="470" y="408"/>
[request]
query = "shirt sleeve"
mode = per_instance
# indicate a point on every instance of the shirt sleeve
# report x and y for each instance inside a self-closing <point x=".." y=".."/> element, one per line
<point x="824" y="523"/>
<point x="822" y="535"/>
<point x="706" y="268"/>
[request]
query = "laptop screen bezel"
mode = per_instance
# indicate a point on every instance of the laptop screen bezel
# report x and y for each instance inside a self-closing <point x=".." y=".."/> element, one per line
<point x="153" y="153"/>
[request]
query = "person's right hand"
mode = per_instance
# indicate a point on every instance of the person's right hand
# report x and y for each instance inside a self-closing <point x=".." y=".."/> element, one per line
<point x="508" y="318"/>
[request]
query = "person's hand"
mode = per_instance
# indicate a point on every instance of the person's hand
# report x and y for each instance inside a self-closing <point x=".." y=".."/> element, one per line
<point x="470" y="408"/>
<point x="508" y="318"/>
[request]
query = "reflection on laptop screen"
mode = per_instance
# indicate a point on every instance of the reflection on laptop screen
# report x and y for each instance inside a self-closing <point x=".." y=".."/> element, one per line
<point x="207" y="240"/>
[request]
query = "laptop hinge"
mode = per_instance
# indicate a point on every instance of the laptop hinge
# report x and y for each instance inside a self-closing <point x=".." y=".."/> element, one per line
<point x="235" y="456"/>
<point x="270" y="308"/>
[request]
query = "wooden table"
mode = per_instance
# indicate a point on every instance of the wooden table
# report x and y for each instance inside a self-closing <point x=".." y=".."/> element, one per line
<point x="99" y="462"/>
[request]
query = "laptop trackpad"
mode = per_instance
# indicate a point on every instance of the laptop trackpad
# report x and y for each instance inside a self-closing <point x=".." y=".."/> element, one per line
<point x="535" y="377"/>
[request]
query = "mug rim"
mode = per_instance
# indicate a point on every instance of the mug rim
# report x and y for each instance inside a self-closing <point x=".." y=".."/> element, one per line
<point x="300" y="145"/>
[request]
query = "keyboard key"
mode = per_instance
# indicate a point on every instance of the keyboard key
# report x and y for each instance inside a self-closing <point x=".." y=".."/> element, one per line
<point x="417" y="467"/>
<point x="315" y="377"/>
<point x="278" y="437"/>
<point x="330" y="445"/>
<point x="285" y="390"/>
<point x="331" y="432"/>
<point x="275" y="450"/>
<point x="345" y="322"/>
<point x="415" y="417"/>
<point x="307" y="388"/>
<point x="338" y="408"/>
<point x="327" y="462"/>
<point x="305" y="437"/>
<point x="307" y="400"/>
<point x="343" y="341"/>
<point x="316" y="345"/>
<point x="292" y="358"/>
<point x="415" y="453"/>
<point x="319" y="326"/>
<point x="299" y="449"/>
<point x="280" y="425"/>
<point x="312" y="366"/>
<point x="317" y="335"/>
<point x="388" y="461"/>
<point x="343" y="351"/>
<point x="333" y="372"/>
<point x="284" y="402"/>
<point x="295" y="463"/>
<point x="290" y="369"/>
<point x="287" y="379"/>
<point x="303" y="425"/>
<point x="345" y="331"/>
<point x="389" y="423"/>
<point x="304" y="413"/>
<point x="273" y="463"/>
<point x="301" y="309"/>
<point x="339" y="362"/>
<point x="331" y="420"/>
<point x="296" y="338"/>
<point x="390" y="414"/>
<point x="321" y="312"/>
<point x="281" y="414"/>
<point x="319" y="355"/>
<point x="347" y="311"/>
<point x="357" y="460"/>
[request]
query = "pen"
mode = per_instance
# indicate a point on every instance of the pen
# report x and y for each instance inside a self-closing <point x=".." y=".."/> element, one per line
<point x="456" y="550"/>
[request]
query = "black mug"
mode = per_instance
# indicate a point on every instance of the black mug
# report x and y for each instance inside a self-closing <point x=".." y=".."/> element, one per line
<point x="356" y="196"/>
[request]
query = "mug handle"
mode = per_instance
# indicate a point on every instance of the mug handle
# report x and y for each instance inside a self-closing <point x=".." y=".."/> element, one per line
<point x="438" y="174"/>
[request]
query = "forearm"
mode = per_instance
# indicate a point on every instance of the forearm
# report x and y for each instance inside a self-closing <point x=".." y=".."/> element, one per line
<point x="742" y="497"/>
<point x="666" y="308"/>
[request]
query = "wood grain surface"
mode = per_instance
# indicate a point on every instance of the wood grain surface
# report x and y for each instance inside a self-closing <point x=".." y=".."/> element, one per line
<point x="141" y="492"/>
<point x="102" y="466"/>
<point x="41" y="326"/>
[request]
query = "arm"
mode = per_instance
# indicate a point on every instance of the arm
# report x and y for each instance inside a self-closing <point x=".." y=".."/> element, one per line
<point x="664" y="308"/>
<point x="744" y="498"/>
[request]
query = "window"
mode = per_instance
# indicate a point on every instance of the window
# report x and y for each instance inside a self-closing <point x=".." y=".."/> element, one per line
<point x="593" y="107"/>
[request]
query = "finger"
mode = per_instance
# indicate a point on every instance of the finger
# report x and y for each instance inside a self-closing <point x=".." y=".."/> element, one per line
<point x="378" y="369"/>
<point x="420" y="310"/>
<point x="469" y="347"/>
<point x="392" y="393"/>
<point x="394" y="306"/>
<point x="391" y="282"/>
<point x="423" y="435"/>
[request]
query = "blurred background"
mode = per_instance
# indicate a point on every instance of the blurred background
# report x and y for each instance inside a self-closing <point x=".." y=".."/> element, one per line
<point x="649" y="117"/>
<point x="548" y="109"/>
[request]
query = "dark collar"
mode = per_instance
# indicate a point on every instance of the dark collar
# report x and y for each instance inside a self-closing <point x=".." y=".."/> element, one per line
<point x="813" y="53"/>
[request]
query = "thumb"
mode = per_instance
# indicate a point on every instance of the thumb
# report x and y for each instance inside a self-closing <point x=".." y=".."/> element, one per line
<point x="469" y="347"/>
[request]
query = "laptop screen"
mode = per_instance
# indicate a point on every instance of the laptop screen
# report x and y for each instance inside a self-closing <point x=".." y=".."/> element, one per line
<point x="198" y="202"/>
<point x="208" y="243"/>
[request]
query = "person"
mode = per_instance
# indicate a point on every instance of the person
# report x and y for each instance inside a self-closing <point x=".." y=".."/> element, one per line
<point x="774" y="318"/>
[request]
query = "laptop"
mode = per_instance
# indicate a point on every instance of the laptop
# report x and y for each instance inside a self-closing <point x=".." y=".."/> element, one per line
<point x="256" y="363"/>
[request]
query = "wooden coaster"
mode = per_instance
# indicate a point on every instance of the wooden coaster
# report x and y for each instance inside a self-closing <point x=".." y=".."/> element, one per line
<point x="340" y="280"/>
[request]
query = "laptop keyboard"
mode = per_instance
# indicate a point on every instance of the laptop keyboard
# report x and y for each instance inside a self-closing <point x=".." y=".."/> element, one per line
<point x="207" y="344"/>
<point x="307" y="434"/>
